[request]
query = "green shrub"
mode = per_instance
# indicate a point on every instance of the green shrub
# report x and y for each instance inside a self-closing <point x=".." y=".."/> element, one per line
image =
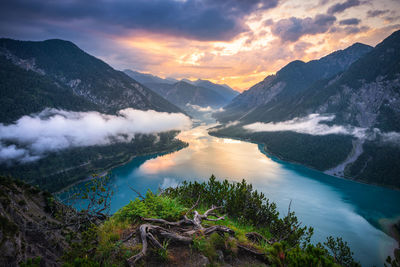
<point x="82" y="262"/>
<point x="103" y="243"/>
<point x="153" y="206"/>
<point x="311" y="256"/>
<point x="242" y="202"/>
<point x="163" y="253"/>
<point x="34" y="262"/>
<point x="205" y="247"/>
<point x="7" y="227"/>
<point x="340" y="251"/>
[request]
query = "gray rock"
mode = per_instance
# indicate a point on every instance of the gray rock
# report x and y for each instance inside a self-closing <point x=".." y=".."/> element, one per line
<point x="220" y="255"/>
<point x="203" y="260"/>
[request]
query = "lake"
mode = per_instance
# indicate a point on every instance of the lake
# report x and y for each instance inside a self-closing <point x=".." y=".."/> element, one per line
<point x="331" y="205"/>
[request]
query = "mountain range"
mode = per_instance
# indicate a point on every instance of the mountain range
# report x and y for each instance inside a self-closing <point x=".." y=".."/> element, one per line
<point x="36" y="76"/>
<point x="339" y="114"/>
<point x="56" y="73"/>
<point x="146" y="78"/>
<point x="186" y="93"/>
<point x="293" y="79"/>
<point x="356" y="90"/>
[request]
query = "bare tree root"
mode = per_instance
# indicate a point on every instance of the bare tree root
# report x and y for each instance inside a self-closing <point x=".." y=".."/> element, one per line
<point x="182" y="231"/>
<point x="186" y="229"/>
<point x="252" y="252"/>
<point x="257" y="238"/>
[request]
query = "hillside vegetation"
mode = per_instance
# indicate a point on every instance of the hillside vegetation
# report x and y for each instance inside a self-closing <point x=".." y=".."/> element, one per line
<point x="214" y="223"/>
<point x="63" y="168"/>
<point x="210" y="223"/>
<point x="58" y="74"/>
<point x="357" y="87"/>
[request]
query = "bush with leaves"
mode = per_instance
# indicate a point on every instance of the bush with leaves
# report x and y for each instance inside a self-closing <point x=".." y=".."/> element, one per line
<point x="340" y="251"/>
<point x="242" y="202"/>
<point x="393" y="262"/>
<point x="254" y="221"/>
<point x="152" y="206"/>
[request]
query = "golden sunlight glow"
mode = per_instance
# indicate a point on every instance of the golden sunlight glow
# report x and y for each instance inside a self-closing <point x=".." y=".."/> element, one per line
<point x="227" y="158"/>
<point x="254" y="54"/>
<point x="156" y="165"/>
<point x="231" y="141"/>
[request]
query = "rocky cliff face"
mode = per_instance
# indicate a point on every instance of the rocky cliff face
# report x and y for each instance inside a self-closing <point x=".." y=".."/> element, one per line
<point x="64" y="67"/>
<point x="30" y="227"/>
<point x="57" y="74"/>
<point x="367" y="94"/>
<point x="288" y="82"/>
<point x="364" y="92"/>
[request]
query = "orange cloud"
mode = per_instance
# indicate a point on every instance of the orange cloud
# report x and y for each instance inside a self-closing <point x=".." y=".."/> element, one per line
<point x="251" y="56"/>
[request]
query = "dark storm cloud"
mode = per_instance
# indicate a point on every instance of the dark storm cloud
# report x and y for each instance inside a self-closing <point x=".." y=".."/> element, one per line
<point x="376" y="13"/>
<point x="196" y="19"/>
<point x="340" y="7"/>
<point x="292" y="29"/>
<point x="352" y="21"/>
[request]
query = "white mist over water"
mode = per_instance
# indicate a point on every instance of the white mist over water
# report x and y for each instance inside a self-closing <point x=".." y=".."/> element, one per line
<point x="391" y="137"/>
<point x="207" y="109"/>
<point x="310" y="124"/>
<point x="32" y="136"/>
<point x="332" y="206"/>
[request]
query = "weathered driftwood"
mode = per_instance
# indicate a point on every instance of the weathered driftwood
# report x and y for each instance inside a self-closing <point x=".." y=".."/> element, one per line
<point x="182" y="231"/>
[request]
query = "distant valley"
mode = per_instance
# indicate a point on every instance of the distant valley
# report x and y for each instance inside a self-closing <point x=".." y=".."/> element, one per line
<point x="185" y="93"/>
<point x="54" y="81"/>
<point x="339" y="114"/>
<point x="200" y="133"/>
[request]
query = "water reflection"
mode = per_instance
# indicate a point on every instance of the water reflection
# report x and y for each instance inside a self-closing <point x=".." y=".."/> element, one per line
<point x="332" y="206"/>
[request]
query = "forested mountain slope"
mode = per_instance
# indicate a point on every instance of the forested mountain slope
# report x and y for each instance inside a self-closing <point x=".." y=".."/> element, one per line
<point x="66" y="77"/>
<point x="57" y="75"/>
<point x="287" y="84"/>
<point x="362" y="102"/>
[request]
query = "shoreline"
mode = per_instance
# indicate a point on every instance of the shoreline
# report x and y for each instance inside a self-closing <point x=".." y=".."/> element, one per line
<point x="391" y="227"/>
<point x="272" y="155"/>
<point x="107" y="170"/>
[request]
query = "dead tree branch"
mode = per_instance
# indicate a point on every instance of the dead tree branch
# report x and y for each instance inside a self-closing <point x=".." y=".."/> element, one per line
<point x="182" y="231"/>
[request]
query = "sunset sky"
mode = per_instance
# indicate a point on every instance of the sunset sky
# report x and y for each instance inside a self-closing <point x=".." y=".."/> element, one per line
<point x="237" y="42"/>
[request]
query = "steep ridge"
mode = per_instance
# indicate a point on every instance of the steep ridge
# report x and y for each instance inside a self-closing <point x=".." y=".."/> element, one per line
<point x="224" y="90"/>
<point x="288" y="82"/>
<point x="59" y="69"/>
<point x="145" y="78"/>
<point x="365" y="95"/>
<point x="57" y="74"/>
<point x="200" y="92"/>
<point x="183" y="94"/>
<point x="32" y="225"/>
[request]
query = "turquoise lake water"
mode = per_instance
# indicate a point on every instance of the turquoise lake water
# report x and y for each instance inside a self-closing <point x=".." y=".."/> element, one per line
<point x="333" y="206"/>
